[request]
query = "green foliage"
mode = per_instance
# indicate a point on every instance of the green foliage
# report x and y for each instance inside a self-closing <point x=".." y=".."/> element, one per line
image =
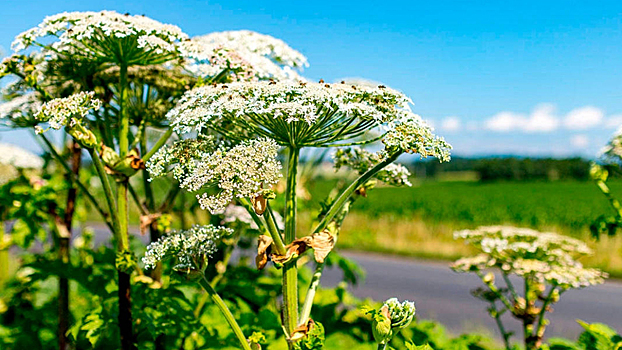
<point x="568" y="204"/>
<point x="313" y="340"/>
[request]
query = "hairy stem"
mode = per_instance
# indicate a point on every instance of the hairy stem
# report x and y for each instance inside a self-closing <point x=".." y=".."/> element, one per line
<point x="348" y="191"/>
<point x="615" y="204"/>
<point x="125" y="305"/>
<point x="308" y="304"/>
<point x="225" y="312"/>
<point x="290" y="269"/>
<point x="161" y="141"/>
<point x="103" y="177"/>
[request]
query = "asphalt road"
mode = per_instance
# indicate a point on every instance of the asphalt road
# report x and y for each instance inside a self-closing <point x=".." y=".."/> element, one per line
<point x="443" y="295"/>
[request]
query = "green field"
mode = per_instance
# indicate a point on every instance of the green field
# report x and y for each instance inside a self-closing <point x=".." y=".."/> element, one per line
<point x="419" y="221"/>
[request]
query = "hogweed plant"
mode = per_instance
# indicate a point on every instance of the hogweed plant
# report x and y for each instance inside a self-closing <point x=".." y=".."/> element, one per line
<point x="609" y="163"/>
<point x="544" y="263"/>
<point x="231" y="136"/>
<point x="392" y="317"/>
<point x="106" y="79"/>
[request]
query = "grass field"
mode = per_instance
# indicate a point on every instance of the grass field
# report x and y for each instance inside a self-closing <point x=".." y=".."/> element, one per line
<point x="419" y="221"/>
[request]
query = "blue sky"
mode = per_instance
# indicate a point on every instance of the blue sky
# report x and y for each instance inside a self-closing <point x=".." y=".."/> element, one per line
<point x="524" y="77"/>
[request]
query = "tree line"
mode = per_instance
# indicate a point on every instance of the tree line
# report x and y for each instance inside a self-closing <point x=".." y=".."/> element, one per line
<point x="508" y="168"/>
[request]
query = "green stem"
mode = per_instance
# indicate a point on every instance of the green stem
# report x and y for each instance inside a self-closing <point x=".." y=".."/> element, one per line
<point x="225" y="312"/>
<point x="275" y="233"/>
<point x="124" y="293"/>
<point x="290" y="269"/>
<point x="103" y="177"/>
<point x="124" y="121"/>
<point x="308" y="304"/>
<point x="527" y="333"/>
<point x="615" y="204"/>
<point x="540" y="328"/>
<point x="161" y="141"/>
<point x="495" y="290"/>
<point x="504" y="333"/>
<point x="4" y="257"/>
<point x="72" y="177"/>
<point x="343" y="197"/>
<point x="382" y="346"/>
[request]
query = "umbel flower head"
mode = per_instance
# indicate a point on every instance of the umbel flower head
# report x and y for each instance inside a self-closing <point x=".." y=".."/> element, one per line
<point x="306" y="115"/>
<point x="256" y="56"/>
<point x="244" y="170"/>
<point x="612" y="152"/>
<point x="70" y="113"/>
<point x="541" y="257"/>
<point x="361" y="160"/>
<point x="107" y="36"/>
<point x="392" y="317"/>
<point x="20" y="109"/>
<point x="191" y="248"/>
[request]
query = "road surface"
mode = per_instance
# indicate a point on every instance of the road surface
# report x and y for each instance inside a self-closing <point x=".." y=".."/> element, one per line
<point x="443" y="295"/>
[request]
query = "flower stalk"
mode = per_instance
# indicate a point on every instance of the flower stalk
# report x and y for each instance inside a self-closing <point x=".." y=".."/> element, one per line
<point x="290" y="269"/>
<point x="225" y="312"/>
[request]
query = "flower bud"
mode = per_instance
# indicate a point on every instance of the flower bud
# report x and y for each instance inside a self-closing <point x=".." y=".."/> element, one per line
<point x="489" y="278"/>
<point x="381" y="326"/>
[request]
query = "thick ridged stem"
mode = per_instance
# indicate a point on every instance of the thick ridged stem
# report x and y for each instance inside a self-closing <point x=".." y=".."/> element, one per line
<point x="345" y="195"/>
<point x="125" y="305"/>
<point x="290" y="270"/>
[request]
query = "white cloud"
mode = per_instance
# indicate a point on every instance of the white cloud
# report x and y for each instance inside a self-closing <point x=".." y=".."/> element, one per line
<point x="451" y="124"/>
<point x="583" y="118"/>
<point x="541" y="119"/>
<point x="613" y="121"/>
<point x="580" y="141"/>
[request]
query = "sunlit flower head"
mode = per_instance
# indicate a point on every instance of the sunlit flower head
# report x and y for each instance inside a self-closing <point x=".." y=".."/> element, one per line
<point x="107" y="36"/>
<point x="254" y="55"/>
<point x="191" y="248"/>
<point x="19" y="109"/>
<point x="241" y="171"/>
<point x="306" y="115"/>
<point x="543" y="257"/>
<point x="361" y="160"/>
<point x="68" y="111"/>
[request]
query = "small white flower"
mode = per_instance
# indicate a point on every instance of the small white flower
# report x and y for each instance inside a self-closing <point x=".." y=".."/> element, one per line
<point x="191" y="248"/>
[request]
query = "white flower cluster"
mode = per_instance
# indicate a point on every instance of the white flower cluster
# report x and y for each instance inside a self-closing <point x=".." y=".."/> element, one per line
<point x="291" y="102"/>
<point x="259" y="55"/>
<point x="191" y="248"/>
<point x="18" y="157"/>
<point x="22" y="106"/>
<point x="67" y="111"/>
<point x="612" y="152"/>
<point x="412" y="135"/>
<point x="180" y="158"/>
<point x="401" y="314"/>
<point x="541" y="256"/>
<point x="93" y="32"/>
<point x="238" y="213"/>
<point x="361" y="160"/>
<point x="241" y="171"/>
<point x="218" y="59"/>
